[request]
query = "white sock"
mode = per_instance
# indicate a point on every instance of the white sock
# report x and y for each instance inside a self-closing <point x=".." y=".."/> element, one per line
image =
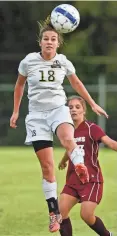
<point x="49" y="189"/>
<point x="77" y="156"/>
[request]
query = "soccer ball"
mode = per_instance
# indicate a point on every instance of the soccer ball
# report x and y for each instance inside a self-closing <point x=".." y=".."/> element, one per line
<point x="65" y="18"/>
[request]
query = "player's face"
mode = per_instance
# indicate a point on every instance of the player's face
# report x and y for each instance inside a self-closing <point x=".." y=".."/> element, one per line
<point x="49" y="42"/>
<point x="76" y="110"/>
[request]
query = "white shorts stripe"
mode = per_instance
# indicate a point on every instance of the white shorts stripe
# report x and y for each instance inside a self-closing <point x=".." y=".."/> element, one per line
<point x="91" y="192"/>
<point x="97" y="191"/>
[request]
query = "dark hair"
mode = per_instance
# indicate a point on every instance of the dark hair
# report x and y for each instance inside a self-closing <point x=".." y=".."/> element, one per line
<point x="47" y="26"/>
<point x="80" y="99"/>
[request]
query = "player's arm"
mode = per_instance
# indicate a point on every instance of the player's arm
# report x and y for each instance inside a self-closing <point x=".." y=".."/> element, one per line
<point x="98" y="134"/>
<point x="78" y="86"/>
<point x="18" y="94"/>
<point x="109" y="142"/>
<point x="63" y="162"/>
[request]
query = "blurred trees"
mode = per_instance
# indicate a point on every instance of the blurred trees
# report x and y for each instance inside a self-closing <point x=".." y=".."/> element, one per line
<point x="92" y="48"/>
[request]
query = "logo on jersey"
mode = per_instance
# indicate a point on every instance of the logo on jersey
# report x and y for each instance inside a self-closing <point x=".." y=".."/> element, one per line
<point x="80" y="139"/>
<point x="56" y="64"/>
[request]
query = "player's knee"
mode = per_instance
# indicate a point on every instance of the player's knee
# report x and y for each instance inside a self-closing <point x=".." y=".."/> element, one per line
<point x="66" y="142"/>
<point x="86" y="216"/>
<point x="48" y="171"/>
<point x="47" y="168"/>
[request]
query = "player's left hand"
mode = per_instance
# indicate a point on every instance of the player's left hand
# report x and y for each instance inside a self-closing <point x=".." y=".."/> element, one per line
<point x="62" y="165"/>
<point x="99" y="110"/>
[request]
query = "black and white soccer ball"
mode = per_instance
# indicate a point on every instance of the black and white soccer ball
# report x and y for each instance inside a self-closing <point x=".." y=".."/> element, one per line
<point x="65" y="18"/>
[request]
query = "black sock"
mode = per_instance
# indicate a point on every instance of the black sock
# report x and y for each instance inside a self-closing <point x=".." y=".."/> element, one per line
<point x="53" y="205"/>
<point x="66" y="228"/>
<point x="99" y="227"/>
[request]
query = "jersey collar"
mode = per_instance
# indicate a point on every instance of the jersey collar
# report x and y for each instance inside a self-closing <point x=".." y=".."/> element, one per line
<point x="54" y="58"/>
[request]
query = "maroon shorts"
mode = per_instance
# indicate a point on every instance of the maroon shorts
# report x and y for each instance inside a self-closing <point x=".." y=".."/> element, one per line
<point x="85" y="192"/>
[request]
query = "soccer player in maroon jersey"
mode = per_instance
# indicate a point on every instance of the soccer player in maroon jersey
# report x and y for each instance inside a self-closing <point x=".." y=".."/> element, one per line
<point x="77" y="189"/>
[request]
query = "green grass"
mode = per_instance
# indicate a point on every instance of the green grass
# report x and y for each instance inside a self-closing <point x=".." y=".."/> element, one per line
<point x="23" y="210"/>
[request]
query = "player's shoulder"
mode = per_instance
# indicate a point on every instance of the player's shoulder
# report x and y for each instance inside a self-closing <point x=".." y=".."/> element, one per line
<point x="85" y="125"/>
<point x="62" y="57"/>
<point x="93" y="126"/>
<point x="65" y="62"/>
<point x="89" y="123"/>
<point x="30" y="56"/>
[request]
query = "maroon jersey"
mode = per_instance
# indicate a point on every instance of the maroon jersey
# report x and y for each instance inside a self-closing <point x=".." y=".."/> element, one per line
<point x="88" y="136"/>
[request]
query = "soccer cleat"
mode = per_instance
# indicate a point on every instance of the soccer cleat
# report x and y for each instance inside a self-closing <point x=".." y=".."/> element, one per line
<point x="54" y="224"/>
<point x="82" y="172"/>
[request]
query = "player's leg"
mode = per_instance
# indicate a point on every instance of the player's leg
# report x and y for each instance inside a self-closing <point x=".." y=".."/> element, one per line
<point x="65" y="133"/>
<point x="66" y="202"/>
<point x="94" y="222"/>
<point x="44" y="152"/>
<point x="90" y="197"/>
<point x="37" y="133"/>
<point x="63" y="127"/>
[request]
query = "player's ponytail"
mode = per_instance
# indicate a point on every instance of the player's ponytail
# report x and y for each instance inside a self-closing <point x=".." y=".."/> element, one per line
<point x="47" y="26"/>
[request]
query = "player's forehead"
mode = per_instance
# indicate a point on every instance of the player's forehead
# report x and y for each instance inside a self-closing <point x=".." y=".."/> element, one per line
<point x="75" y="102"/>
<point x="50" y="34"/>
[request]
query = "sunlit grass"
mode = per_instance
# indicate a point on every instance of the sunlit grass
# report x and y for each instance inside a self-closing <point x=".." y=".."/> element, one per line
<point x="23" y="210"/>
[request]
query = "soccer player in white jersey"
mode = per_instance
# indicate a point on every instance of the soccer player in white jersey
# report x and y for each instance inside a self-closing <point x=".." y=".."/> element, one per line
<point x="44" y="72"/>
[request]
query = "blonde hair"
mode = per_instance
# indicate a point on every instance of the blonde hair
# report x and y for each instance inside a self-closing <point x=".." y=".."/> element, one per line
<point x="47" y="26"/>
<point x="80" y="99"/>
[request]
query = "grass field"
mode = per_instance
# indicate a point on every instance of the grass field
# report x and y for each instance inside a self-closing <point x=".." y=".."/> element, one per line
<point x="23" y="210"/>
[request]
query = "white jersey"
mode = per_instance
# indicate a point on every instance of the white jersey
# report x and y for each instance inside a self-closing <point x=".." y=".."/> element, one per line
<point x="45" y="79"/>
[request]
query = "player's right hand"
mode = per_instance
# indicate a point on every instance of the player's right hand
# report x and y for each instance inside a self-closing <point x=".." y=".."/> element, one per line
<point x="99" y="110"/>
<point x="13" y="120"/>
<point x="62" y="165"/>
<point x="82" y="172"/>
